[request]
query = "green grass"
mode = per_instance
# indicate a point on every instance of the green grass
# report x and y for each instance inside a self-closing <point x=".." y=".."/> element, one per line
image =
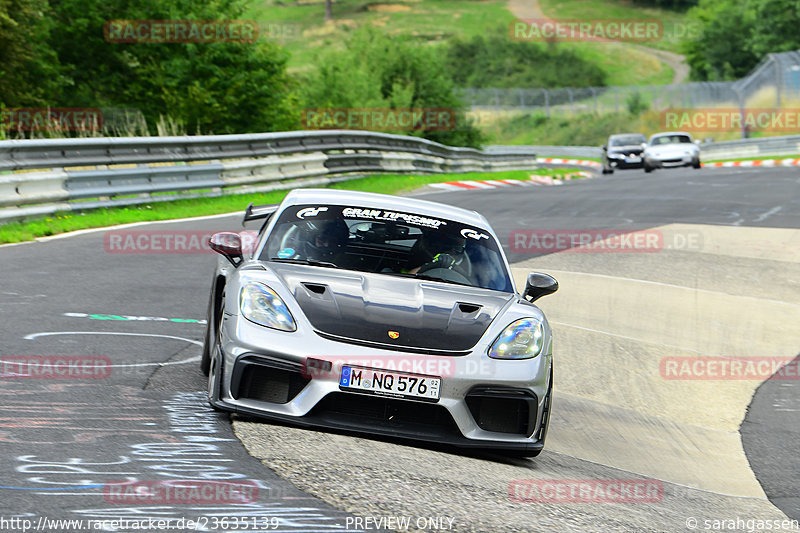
<point x="579" y="130"/>
<point x="72" y="221"/>
<point x="301" y="30"/>
<point x="676" y="24"/>
<point x="432" y="21"/>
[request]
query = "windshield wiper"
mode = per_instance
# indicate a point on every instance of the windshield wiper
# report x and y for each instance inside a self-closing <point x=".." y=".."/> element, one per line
<point x="310" y="262"/>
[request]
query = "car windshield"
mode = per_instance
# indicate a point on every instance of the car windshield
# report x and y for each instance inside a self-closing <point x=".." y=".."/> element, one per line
<point x="671" y="139"/>
<point x="627" y="140"/>
<point x="387" y="242"/>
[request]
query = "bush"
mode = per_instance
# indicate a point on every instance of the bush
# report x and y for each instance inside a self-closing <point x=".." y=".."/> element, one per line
<point x="497" y="61"/>
<point x="382" y="71"/>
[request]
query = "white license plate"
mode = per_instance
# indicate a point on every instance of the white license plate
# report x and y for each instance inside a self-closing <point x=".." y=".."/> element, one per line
<point x="633" y="158"/>
<point x="391" y="384"/>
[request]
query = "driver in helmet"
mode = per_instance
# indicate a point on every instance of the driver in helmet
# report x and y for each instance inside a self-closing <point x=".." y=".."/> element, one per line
<point x="439" y="250"/>
<point x="326" y="241"/>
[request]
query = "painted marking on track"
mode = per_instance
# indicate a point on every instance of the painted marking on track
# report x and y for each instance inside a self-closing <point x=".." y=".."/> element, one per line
<point x="34" y="336"/>
<point x="135" y="318"/>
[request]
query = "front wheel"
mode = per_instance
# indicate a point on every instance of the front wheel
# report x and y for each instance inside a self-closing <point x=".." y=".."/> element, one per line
<point x="696" y="163"/>
<point x="648" y="168"/>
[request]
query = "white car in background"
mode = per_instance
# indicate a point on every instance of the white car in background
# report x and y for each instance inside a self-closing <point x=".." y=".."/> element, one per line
<point x="671" y="149"/>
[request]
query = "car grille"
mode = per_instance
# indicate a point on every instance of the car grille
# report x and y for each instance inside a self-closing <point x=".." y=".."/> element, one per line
<point x="408" y="417"/>
<point x="503" y="410"/>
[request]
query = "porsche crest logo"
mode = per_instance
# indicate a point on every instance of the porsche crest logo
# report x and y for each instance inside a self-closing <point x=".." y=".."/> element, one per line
<point x="393" y="334"/>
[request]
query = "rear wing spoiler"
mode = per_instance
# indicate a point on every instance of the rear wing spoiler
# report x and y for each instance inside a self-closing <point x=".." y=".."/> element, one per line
<point x="256" y="212"/>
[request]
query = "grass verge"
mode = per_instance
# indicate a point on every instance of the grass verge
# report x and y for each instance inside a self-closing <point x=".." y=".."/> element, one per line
<point x="72" y="221"/>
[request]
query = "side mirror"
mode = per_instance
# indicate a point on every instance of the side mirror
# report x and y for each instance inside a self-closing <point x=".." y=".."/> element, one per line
<point x="697" y="142"/>
<point x="540" y="284"/>
<point x="605" y="148"/>
<point x="644" y="145"/>
<point x="227" y="244"/>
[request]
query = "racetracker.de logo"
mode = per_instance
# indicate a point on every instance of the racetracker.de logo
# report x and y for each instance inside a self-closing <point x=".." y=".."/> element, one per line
<point x="548" y="30"/>
<point x="585" y="491"/>
<point x="193" y="492"/>
<point x="379" y="119"/>
<point x="731" y="119"/>
<point x="167" y="242"/>
<point x="51" y="119"/>
<point x="180" y="31"/>
<point x="730" y="368"/>
<point x="54" y="367"/>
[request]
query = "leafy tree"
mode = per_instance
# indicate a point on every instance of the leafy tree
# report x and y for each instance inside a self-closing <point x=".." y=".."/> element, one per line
<point x="28" y="68"/>
<point x="737" y="34"/>
<point x="389" y="72"/>
<point x="220" y="87"/>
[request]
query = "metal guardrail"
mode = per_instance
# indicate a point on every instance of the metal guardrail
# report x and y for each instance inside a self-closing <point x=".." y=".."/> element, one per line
<point x="765" y="146"/>
<point x="569" y="152"/>
<point x="49" y="175"/>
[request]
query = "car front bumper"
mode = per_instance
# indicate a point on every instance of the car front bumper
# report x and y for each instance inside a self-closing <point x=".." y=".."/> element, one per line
<point x="670" y="161"/>
<point x="484" y="403"/>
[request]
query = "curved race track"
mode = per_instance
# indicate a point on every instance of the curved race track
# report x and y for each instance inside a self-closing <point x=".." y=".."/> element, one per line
<point x="725" y="284"/>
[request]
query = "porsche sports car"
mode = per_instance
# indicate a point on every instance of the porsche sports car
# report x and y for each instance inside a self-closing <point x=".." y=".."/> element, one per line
<point x="383" y="315"/>
<point x="671" y="149"/>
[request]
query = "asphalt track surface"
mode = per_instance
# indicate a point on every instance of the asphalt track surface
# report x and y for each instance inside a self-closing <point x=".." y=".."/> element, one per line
<point x="66" y="442"/>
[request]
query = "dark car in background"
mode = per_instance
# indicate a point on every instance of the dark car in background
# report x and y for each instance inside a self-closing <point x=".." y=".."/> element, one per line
<point x="623" y="150"/>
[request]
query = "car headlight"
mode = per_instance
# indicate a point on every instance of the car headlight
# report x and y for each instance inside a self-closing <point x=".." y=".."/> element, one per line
<point x="522" y="339"/>
<point x="262" y="305"/>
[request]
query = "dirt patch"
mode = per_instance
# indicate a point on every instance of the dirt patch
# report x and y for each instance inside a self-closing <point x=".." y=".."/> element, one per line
<point x="388" y="8"/>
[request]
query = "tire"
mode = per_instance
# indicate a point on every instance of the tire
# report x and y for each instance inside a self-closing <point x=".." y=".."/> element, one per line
<point x="213" y="350"/>
<point x="212" y="320"/>
<point x="696" y="163"/>
<point x="648" y="168"/>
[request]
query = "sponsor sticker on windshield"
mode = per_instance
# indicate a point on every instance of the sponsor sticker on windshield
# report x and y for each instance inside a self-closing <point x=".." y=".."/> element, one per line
<point x="392" y="216"/>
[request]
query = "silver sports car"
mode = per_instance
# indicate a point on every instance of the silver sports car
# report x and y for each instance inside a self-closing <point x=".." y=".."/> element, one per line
<point x="383" y="315"/>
